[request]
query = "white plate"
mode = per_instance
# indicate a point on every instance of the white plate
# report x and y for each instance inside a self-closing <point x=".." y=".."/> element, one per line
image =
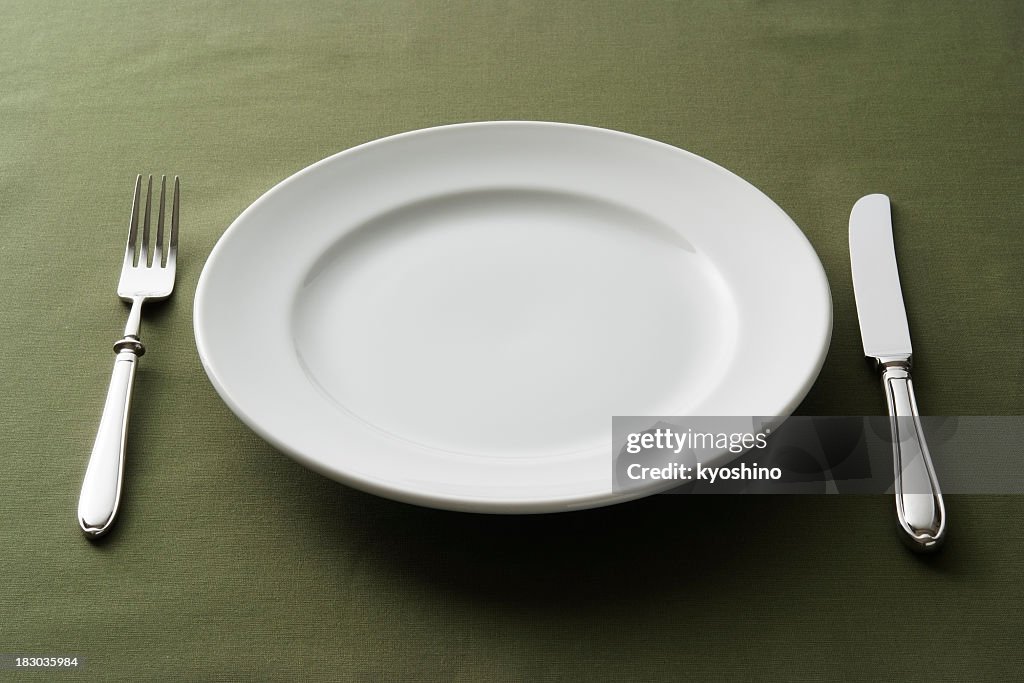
<point x="452" y="316"/>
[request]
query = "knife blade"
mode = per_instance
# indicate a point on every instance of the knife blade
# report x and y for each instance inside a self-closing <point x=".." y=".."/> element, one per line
<point x="886" y="336"/>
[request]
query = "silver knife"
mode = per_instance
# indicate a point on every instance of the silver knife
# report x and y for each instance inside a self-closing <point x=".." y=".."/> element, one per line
<point x="886" y="337"/>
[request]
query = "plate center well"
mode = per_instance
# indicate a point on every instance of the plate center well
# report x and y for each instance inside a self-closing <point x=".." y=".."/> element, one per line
<point x="512" y="322"/>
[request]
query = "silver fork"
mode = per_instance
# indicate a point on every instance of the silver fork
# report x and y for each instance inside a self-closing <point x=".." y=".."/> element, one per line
<point x="147" y="274"/>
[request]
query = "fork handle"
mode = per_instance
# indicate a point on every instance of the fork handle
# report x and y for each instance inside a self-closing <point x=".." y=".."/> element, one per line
<point x="919" y="505"/>
<point x="101" y="488"/>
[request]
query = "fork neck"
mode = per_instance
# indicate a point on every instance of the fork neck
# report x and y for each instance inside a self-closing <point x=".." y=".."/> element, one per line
<point x="131" y="329"/>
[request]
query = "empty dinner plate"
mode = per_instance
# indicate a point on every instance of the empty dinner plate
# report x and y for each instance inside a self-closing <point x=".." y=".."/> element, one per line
<point x="452" y="316"/>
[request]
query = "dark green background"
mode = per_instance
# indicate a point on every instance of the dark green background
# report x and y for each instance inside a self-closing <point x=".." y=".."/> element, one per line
<point x="230" y="561"/>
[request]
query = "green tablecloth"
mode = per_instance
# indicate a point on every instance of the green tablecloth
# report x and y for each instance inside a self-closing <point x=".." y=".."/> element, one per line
<point x="230" y="561"/>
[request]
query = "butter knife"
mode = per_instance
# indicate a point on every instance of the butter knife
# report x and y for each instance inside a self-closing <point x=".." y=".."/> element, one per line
<point x="886" y="337"/>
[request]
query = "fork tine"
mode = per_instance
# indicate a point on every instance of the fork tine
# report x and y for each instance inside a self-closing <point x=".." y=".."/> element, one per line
<point x="158" y="248"/>
<point x="172" y="250"/>
<point x="143" y="248"/>
<point x="133" y="224"/>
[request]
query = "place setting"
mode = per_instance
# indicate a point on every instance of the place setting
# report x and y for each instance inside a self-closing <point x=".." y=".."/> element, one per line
<point x="451" y="317"/>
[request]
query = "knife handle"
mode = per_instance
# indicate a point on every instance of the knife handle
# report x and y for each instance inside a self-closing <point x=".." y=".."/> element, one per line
<point x="919" y="506"/>
<point x="101" y="488"/>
